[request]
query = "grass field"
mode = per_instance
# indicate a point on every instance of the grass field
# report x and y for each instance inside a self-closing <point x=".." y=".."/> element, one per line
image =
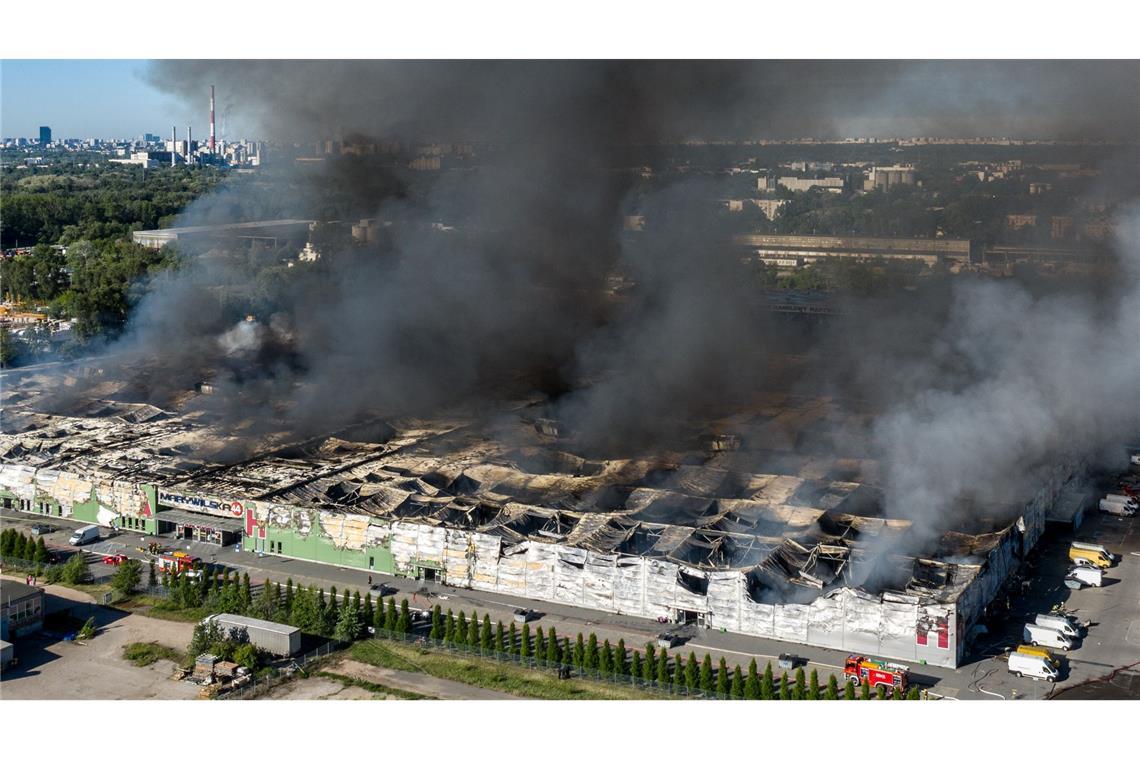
<point x="147" y="653"/>
<point x="500" y="676"/>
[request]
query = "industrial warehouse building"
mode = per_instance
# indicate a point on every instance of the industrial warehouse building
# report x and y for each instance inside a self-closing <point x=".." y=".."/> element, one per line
<point x="757" y="531"/>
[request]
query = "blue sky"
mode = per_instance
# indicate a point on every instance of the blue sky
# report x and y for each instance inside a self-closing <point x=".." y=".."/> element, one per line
<point x="87" y="98"/>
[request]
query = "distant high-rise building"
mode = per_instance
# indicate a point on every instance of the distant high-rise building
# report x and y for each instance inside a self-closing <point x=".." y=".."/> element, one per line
<point x="45" y="135"/>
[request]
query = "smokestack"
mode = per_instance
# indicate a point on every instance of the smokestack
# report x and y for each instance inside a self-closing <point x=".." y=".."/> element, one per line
<point x="173" y="144"/>
<point x="189" y="140"/>
<point x="211" y="119"/>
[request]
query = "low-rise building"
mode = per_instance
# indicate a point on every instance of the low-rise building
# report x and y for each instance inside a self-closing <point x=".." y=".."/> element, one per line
<point x="21" y="609"/>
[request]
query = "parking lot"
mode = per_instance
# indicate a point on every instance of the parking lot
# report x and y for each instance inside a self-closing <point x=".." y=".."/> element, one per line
<point x="50" y="668"/>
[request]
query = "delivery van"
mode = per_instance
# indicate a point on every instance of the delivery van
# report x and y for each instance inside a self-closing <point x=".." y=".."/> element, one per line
<point x="1032" y="666"/>
<point x="1088" y="576"/>
<point x="1058" y="623"/>
<point x="1092" y="555"/>
<point x="84" y="535"/>
<point x="1045" y="637"/>
<point x="1117" y="508"/>
<point x="1045" y="654"/>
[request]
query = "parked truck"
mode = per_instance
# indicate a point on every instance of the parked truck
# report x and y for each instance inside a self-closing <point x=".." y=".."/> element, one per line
<point x="1058" y="623"/>
<point x="1031" y="665"/>
<point x="1091" y="555"/>
<point x="1045" y="637"/>
<point x="278" y="639"/>
<point x="1120" y="508"/>
<point x="859" y="670"/>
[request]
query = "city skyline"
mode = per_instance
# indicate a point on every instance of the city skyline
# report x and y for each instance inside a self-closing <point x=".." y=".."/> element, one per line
<point x="79" y="99"/>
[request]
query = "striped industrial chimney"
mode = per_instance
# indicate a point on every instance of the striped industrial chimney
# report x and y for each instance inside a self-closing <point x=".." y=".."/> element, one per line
<point x="211" y="119"/>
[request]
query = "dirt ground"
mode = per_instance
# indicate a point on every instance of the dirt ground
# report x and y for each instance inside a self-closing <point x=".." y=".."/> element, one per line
<point x="316" y="687"/>
<point x="420" y="683"/>
<point x="52" y="669"/>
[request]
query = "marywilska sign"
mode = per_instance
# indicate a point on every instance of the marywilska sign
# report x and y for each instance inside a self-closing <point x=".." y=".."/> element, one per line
<point x="203" y="504"/>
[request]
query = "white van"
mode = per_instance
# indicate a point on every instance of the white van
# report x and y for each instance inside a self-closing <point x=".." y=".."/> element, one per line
<point x="1089" y="576"/>
<point x="1032" y="666"/>
<point x="1058" y="623"/>
<point x="1045" y="637"/>
<point x="84" y="535"/>
<point x="1117" y="508"/>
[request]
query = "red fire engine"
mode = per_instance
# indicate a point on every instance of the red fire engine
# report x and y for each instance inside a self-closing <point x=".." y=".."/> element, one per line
<point x="179" y="562"/>
<point x="875" y="673"/>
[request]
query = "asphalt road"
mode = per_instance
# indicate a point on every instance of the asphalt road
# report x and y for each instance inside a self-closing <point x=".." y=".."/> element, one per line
<point x="1112" y="643"/>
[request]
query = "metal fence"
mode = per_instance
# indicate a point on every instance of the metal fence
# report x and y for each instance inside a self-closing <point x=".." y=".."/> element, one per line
<point x="541" y="663"/>
<point x="258" y="686"/>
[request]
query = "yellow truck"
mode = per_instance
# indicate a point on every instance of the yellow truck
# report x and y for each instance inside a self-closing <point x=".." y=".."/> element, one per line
<point x="1093" y="555"/>
<point x="1041" y="652"/>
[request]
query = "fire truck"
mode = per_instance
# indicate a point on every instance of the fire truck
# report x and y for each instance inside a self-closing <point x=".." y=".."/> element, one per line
<point x="875" y="673"/>
<point x="178" y="562"/>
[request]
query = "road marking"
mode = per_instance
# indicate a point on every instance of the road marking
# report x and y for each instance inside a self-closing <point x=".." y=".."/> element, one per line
<point x="1133" y="635"/>
<point x="766" y="656"/>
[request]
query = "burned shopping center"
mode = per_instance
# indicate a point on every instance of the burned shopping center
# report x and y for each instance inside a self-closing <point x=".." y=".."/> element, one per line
<point x="748" y="528"/>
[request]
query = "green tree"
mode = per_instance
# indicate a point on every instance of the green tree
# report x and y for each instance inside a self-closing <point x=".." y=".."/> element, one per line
<point x="289" y="595"/>
<point x="567" y="653"/>
<point x="590" y="657"/>
<point x="126" y="577"/>
<point x="880" y="692"/>
<point x="635" y="665"/>
<point x="832" y="688"/>
<point x="369" y="612"/>
<point x="391" y="619"/>
<point x="737" y="683"/>
<point x="691" y="672"/>
<point x="865" y="690"/>
<point x="347" y="624"/>
<point x="540" y="646"/>
<point x="75" y="570"/>
<point x="500" y="636"/>
<point x="473" y="631"/>
<point x="752" y="686"/>
<point x="678" y="673"/>
<point x="151" y="581"/>
<point x="800" y="687"/>
<point x="606" y="660"/>
<point x="913" y="694"/>
<point x="662" y="674"/>
<point x="246" y="593"/>
<point x="88" y="629"/>
<point x="649" y="664"/>
<point x="485" y="635"/>
<point x="512" y="638"/>
<point x="436" y="632"/>
<point x="449" y="627"/>
<point x="767" y="683"/>
<point x="849" y="691"/>
<point x="785" y="689"/>
<point x="579" y="652"/>
<point x="620" y="656"/>
<point x="553" y="652"/>
<point x="461" y="629"/>
<point x="706" y="675"/>
<point x="524" y="643"/>
<point x="722" y="679"/>
<point x="41" y="555"/>
<point x="404" y="619"/>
